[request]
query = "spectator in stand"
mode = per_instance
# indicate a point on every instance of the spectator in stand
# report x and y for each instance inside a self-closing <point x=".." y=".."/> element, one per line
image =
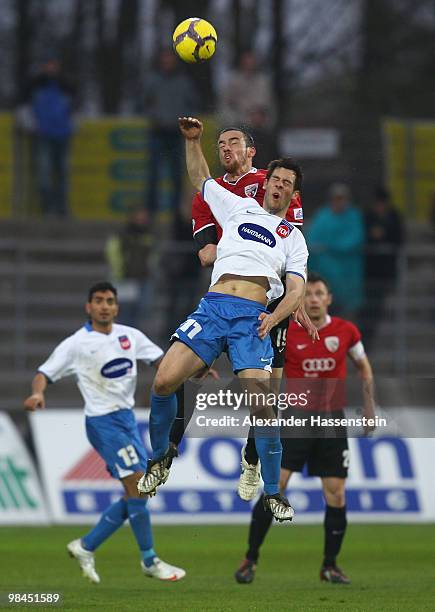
<point x="335" y="239"/>
<point x="169" y="94"/>
<point x="128" y="255"/>
<point x="247" y="90"/>
<point x="50" y="98"/>
<point x="384" y="236"/>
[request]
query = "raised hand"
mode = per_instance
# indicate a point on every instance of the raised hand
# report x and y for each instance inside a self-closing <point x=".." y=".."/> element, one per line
<point x="190" y="127"/>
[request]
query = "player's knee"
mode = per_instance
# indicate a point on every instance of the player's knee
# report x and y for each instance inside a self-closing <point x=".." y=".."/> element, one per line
<point x="130" y="485"/>
<point x="163" y="385"/>
<point x="339" y="499"/>
<point x="335" y="497"/>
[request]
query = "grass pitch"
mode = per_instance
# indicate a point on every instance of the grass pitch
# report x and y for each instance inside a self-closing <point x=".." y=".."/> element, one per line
<point x="391" y="567"/>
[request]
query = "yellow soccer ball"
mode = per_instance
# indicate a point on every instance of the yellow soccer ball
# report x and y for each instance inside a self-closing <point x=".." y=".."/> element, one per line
<point x="194" y="40"/>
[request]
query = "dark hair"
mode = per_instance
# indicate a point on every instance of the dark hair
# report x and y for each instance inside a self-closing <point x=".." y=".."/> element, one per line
<point x="101" y="286"/>
<point x="313" y="277"/>
<point x="249" y="140"/>
<point x="289" y="164"/>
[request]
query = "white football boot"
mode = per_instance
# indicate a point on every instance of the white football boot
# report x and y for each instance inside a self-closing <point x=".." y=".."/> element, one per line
<point x="249" y="481"/>
<point x="157" y="472"/>
<point x="163" y="571"/>
<point x="85" y="559"/>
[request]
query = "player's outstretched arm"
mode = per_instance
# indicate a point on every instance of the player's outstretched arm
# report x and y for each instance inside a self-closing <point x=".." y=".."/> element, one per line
<point x="197" y="166"/>
<point x="37" y="399"/>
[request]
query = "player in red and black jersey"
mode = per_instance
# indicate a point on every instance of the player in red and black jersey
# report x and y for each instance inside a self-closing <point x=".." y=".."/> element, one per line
<point x="236" y="152"/>
<point x="325" y="456"/>
<point x="236" y="149"/>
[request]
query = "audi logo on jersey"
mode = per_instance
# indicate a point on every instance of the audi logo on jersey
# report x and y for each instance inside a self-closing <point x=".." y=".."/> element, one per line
<point x="324" y="364"/>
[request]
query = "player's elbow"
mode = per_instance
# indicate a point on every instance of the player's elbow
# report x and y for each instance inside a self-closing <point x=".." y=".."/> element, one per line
<point x="206" y="260"/>
<point x="365" y="369"/>
<point x="203" y="259"/>
<point x="207" y="255"/>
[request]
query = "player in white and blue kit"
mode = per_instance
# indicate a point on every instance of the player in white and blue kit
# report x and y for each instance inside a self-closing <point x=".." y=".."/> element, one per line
<point x="102" y="355"/>
<point x="257" y="248"/>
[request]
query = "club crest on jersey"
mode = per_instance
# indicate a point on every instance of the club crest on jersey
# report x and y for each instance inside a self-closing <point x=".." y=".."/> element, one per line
<point x="251" y="190"/>
<point x="251" y="231"/>
<point x="298" y="213"/>
<point x="332" y="343"/>
<point x="284" y="228"/>
<point x="124" y="342"/>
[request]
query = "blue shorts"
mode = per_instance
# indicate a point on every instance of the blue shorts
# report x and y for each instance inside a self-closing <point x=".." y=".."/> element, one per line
<point x="115" y="437"/>
<point x="226" y="322"/>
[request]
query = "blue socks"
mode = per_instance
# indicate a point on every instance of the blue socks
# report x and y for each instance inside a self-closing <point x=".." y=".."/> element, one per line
<point x="111" y="520"/>
<point x="163" y="413"/>
<point x="138" y="514"/>
<point x="139" y="517"/>
<point x="149" y="556"/>
<point x="269" y="449"/>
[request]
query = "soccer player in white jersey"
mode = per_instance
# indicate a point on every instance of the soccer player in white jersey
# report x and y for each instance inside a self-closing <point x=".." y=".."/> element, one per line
<point x="257" y="247"/>
<point x="103" y="355"/>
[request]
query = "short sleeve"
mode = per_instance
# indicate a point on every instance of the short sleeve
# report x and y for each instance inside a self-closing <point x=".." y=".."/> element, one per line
<point x="221" y="201"/>
<point x="297" y="256"/>
<point x="61" y="361"/>
<point x="356" y="347"/>
<point x="146" y="350"/>
<point x="295" y="213"/>
<point x="202" y="216"/>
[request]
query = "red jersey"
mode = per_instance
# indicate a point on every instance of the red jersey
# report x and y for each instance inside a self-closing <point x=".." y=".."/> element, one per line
<point x="324" y="358"/>
<point x="249" y="185"/>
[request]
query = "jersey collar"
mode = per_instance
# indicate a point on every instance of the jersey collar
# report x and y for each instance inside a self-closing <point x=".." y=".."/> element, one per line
<point x="89" y="328"/>
<point x="326" y="323"/>
<point x="251" y="171"/>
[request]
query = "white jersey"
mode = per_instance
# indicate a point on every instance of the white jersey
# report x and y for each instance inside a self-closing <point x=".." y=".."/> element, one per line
<point x="254" y="242"/>
<point x="104" y="365"/>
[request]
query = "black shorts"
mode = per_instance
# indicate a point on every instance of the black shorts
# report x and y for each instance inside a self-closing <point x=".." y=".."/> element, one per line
<point x="278" y="336"/>
<point x="325" y="457"/>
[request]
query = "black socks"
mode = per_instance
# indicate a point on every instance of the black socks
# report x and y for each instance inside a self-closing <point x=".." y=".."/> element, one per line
<point x="335" y="527"/>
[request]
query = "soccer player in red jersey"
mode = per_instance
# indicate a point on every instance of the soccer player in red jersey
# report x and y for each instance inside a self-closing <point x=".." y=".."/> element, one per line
<point x="236" y="149"/>
<point x="325" y="456"/>
<point x="236" y="152"/>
